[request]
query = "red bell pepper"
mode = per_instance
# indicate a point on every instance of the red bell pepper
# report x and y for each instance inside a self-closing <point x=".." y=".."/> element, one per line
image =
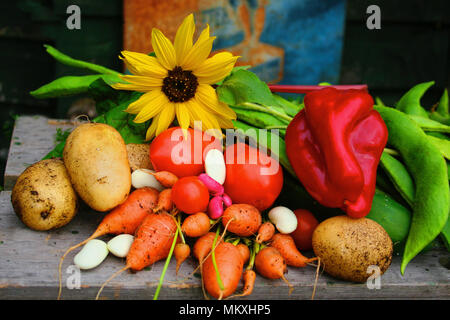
<point x="334" y="145"/>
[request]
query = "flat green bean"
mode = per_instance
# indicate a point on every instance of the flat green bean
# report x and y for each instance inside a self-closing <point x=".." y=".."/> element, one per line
<point x="429" y="171"/>
<point x="65" y="59"/>
<point x="409" y="103"/>
<point x="399" y="176"/>
<point x="442" y="144"/>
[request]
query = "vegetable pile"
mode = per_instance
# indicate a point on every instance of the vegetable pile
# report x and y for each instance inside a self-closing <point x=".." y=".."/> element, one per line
<point x="229" y="203"/>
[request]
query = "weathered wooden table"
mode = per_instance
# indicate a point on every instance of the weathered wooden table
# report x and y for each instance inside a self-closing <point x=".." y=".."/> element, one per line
<point x="29" y="259"/>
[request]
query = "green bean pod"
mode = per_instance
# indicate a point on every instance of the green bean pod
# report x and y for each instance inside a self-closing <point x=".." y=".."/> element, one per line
<point x="429" y="170"/>
<point x="409" y="103"/>
<point x="429" y="125"/>
<point x="442" y="144"/>
<point x="399" y="177"/>
<point x="65" y="59"/>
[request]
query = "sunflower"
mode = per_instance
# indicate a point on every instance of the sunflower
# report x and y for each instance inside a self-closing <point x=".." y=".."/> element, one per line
<point x="177" y="81"/>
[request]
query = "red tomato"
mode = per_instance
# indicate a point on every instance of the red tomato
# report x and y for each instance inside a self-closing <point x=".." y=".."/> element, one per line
<point x="190" y="195"/>
<point x="252" y="177"/>
<point x="306" y="224"/>
<point x="169" y="151"/>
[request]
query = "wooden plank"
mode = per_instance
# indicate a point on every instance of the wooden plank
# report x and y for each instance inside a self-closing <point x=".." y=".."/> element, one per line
<point x="28" y="270"/>
<point x="33" y="137"/>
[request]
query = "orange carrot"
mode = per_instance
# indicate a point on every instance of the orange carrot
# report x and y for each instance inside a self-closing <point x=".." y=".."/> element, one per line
<point x="152" y="243"/>
<point x="125" y="218"/>
<point x="285" y="244"/>
<point x="164" y="201"/>
<point x="181" y="252"/>
<point x="244" y="219"/>
<point x="249" y="278"/>
<point x="196" y="225"/>
<point x="265" y="232"/>
<point x="270" y="264"/>
<point x="166" y="178"/>
<point x="245" y="252"/>
<point x="230" y="266"/>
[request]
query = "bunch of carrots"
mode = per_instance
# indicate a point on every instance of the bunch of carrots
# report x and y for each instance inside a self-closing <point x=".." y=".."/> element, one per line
<point x="241" y="236"/>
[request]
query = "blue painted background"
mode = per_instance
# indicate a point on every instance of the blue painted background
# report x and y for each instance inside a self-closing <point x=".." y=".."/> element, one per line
<point x="310" y="32"/>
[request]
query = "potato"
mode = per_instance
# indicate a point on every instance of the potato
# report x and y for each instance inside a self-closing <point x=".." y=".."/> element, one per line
<point x="347" y="247"/>
<point x="139" y="156"/>
<point x="43" y="197"/>
<point x="96" y="159"/>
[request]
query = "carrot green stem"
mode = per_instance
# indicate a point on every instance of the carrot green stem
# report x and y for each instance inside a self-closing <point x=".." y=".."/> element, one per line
<point x="236" y="242"/>
<point x="161" y="279"/>
<point x="213" y="257"/>
<point x="179" y="228"/>
<point x="252" y="257"/>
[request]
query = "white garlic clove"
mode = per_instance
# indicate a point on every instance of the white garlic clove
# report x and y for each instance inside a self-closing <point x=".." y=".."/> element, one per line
<point x="92" y="254"/>
<point x="120" y="245"/>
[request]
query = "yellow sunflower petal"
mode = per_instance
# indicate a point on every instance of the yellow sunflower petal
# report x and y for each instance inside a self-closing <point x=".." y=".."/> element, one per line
<point x="183" y="116"/>
<point x="215" y="68"/>
<point x="165" y="118"/>
<point x="152" y="129"/>
<point x="225" y="123"/>
<point x="183" y="38"/>
<point x="209" y="122"/>
<point x="151" y="108"/>
<point x="164" y="50"/>
<point x="136" y="106"/>
<point x="142" y="64"/>
<point x="138" y="83"/>
<point x="199" y="51"/>
<point x="208" y="97"/>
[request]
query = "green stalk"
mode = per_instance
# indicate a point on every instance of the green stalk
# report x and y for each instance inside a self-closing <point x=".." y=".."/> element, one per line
<point x="267" y="109"/>
<point x="161" y="279"/>
<point x="179" y="228"/>
<point x="213" y="257"/>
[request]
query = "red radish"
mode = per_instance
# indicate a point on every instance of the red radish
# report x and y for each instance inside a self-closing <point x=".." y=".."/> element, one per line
<point x="125" y="218"/>
<point x="181" y="253"/>
<point x="286" y="246"/>
<point x="190" y="195"/>
<point x="242" y="219"/>
<point x="230" y="267"/>
<point x="265" y="232"/>
<point x="306" y="224"/>
<point x="215" y="188"/>
<point x="171" y="151"/>
<point x="152" y="243"/>
<point x="196" y="225"/>
<point x="252" y="177"/>
<point x="226" y="200"/>
<point x="215" y="207"/>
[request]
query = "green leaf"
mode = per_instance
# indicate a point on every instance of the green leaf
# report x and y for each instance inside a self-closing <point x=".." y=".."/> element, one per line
<point x="244" y="86"/>
<point x="71" y="85"/>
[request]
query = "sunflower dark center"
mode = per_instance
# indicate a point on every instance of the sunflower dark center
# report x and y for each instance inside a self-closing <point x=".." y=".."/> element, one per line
<point x="179" y="85"/>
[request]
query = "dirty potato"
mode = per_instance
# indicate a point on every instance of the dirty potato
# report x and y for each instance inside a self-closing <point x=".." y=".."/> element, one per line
<point x="96" y="159"/>
<point x="43" y="197"/>
<point x="347" y="247"/>
<point x="139" y="156"/>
